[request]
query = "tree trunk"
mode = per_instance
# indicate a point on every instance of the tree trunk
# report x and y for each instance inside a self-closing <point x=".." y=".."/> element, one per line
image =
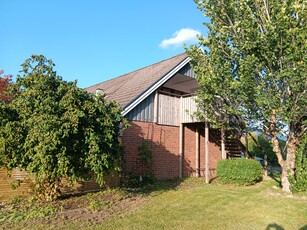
<point x="283" y="163"/>
<point x="265" y="164"/>
<point x="289" y="164"/>
<point x="284" y="179"/>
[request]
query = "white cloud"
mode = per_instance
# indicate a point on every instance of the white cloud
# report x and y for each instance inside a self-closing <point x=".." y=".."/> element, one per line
<point x="180" y="37"/>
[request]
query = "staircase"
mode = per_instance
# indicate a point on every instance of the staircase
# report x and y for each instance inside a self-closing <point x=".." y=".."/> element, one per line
<point x="233" y="146"/>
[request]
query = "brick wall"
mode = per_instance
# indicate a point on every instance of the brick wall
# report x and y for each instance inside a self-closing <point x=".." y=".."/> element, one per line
<point x="189" y="163"/>
<point x="215" y="154"/>
<point x="164" y="143"/>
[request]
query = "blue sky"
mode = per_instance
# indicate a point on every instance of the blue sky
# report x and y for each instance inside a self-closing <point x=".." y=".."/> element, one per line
<point x="96" y="40"/>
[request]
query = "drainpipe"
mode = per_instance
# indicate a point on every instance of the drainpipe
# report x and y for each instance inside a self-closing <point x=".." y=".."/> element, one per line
<point x="207" y="152"/>
<point x="197" y="152"/>
<point x="180" y="149"/>
<point x="180" y="139"/>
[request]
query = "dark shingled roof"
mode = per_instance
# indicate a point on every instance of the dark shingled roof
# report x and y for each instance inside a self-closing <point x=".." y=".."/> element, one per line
<point x="124" y="89"/>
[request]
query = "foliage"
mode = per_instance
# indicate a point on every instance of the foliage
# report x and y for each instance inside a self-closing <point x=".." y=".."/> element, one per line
<point x="4" y="83"/>
<point x="239" y="171"/>
<point x="19" y="210"/>
<point x="253" y="66"/>
<point x="299" y="180"/>
<point x="53" y="129"/>
<point x="265" y="145"/>
<point x="145" y="152"/>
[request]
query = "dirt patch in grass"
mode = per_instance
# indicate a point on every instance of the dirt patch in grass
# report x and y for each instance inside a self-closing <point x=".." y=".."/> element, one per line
<point x="83" y="210"/>
<point x="285" y="195"/>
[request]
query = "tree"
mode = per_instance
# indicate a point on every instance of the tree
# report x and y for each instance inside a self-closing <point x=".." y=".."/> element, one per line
<point x="254" y="62"/>
<point x="53" y="129"/>
<point x="4" y="83"/>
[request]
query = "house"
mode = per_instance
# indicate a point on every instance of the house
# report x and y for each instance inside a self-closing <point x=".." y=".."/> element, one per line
<point x="158" y="101"/>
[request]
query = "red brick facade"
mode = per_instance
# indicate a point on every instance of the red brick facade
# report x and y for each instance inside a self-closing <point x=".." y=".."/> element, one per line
<point x="189" y="163"/>
<point x="164" y="144"/>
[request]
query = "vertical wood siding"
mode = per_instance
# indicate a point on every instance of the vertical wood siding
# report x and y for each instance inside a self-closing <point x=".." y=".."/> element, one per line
<point x="168" y="110"/>
<point x="144" y="111"/>
<point x="188" y="71"/>
<point x="173" y="110"/>
<point x="188" y="108"/>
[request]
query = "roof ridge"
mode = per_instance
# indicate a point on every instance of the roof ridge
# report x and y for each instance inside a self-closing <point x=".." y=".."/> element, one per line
<point x="138" y="70"/>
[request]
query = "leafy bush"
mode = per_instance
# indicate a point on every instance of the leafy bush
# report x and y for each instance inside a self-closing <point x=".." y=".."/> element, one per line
<point x="52" y="129"/>
<point x="239" y="171"/>
<point x="299" y="180"/>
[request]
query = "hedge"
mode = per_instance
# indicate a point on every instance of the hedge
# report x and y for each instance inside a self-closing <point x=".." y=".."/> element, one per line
<point x="239" y="171"/>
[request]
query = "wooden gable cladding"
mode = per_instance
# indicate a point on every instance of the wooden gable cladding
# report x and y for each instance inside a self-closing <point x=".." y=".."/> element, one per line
<point x="168" y="110"/>
<point x="173" y="110"/>
<point x="188" y="109"/>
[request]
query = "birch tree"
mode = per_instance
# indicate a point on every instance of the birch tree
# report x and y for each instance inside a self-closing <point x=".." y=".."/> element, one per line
<point x="254" y="60"/>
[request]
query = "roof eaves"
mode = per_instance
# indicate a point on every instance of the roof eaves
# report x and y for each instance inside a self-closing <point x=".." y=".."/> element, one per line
<point x="154" y="87"/>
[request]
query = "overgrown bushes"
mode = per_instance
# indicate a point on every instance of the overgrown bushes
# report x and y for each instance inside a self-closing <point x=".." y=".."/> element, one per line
<point x="52" y="129"/>
<point x="239" y="171"/>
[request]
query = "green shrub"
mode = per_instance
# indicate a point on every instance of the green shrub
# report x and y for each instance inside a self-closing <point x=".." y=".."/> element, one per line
<point x="299" y="180"/>
<point x="239" y="171"/>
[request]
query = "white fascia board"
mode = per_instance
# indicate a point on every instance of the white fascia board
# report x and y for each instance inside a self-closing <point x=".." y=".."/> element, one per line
<point x="154" y="87"/>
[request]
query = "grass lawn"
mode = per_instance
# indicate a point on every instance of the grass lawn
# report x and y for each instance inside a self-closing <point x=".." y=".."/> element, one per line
<point x="218" y="207"/>
<point x="188" y="204"/>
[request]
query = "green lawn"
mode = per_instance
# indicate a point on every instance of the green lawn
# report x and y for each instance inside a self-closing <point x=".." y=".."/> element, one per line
<point x="218" y="207"/>
<point x="188" y="204"/>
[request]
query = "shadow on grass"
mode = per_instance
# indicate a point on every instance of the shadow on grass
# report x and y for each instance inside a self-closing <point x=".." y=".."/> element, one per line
<point x="275" y="174"/>
<point x="154" y="186"/>
<point x="148" y="186"/>
<point x="274" y="227"/>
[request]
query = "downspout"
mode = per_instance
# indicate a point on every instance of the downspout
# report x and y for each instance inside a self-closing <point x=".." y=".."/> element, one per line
<point x="180" y="140"/>
<point x="197" y="152"/>
<point x="207" y="152"/>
